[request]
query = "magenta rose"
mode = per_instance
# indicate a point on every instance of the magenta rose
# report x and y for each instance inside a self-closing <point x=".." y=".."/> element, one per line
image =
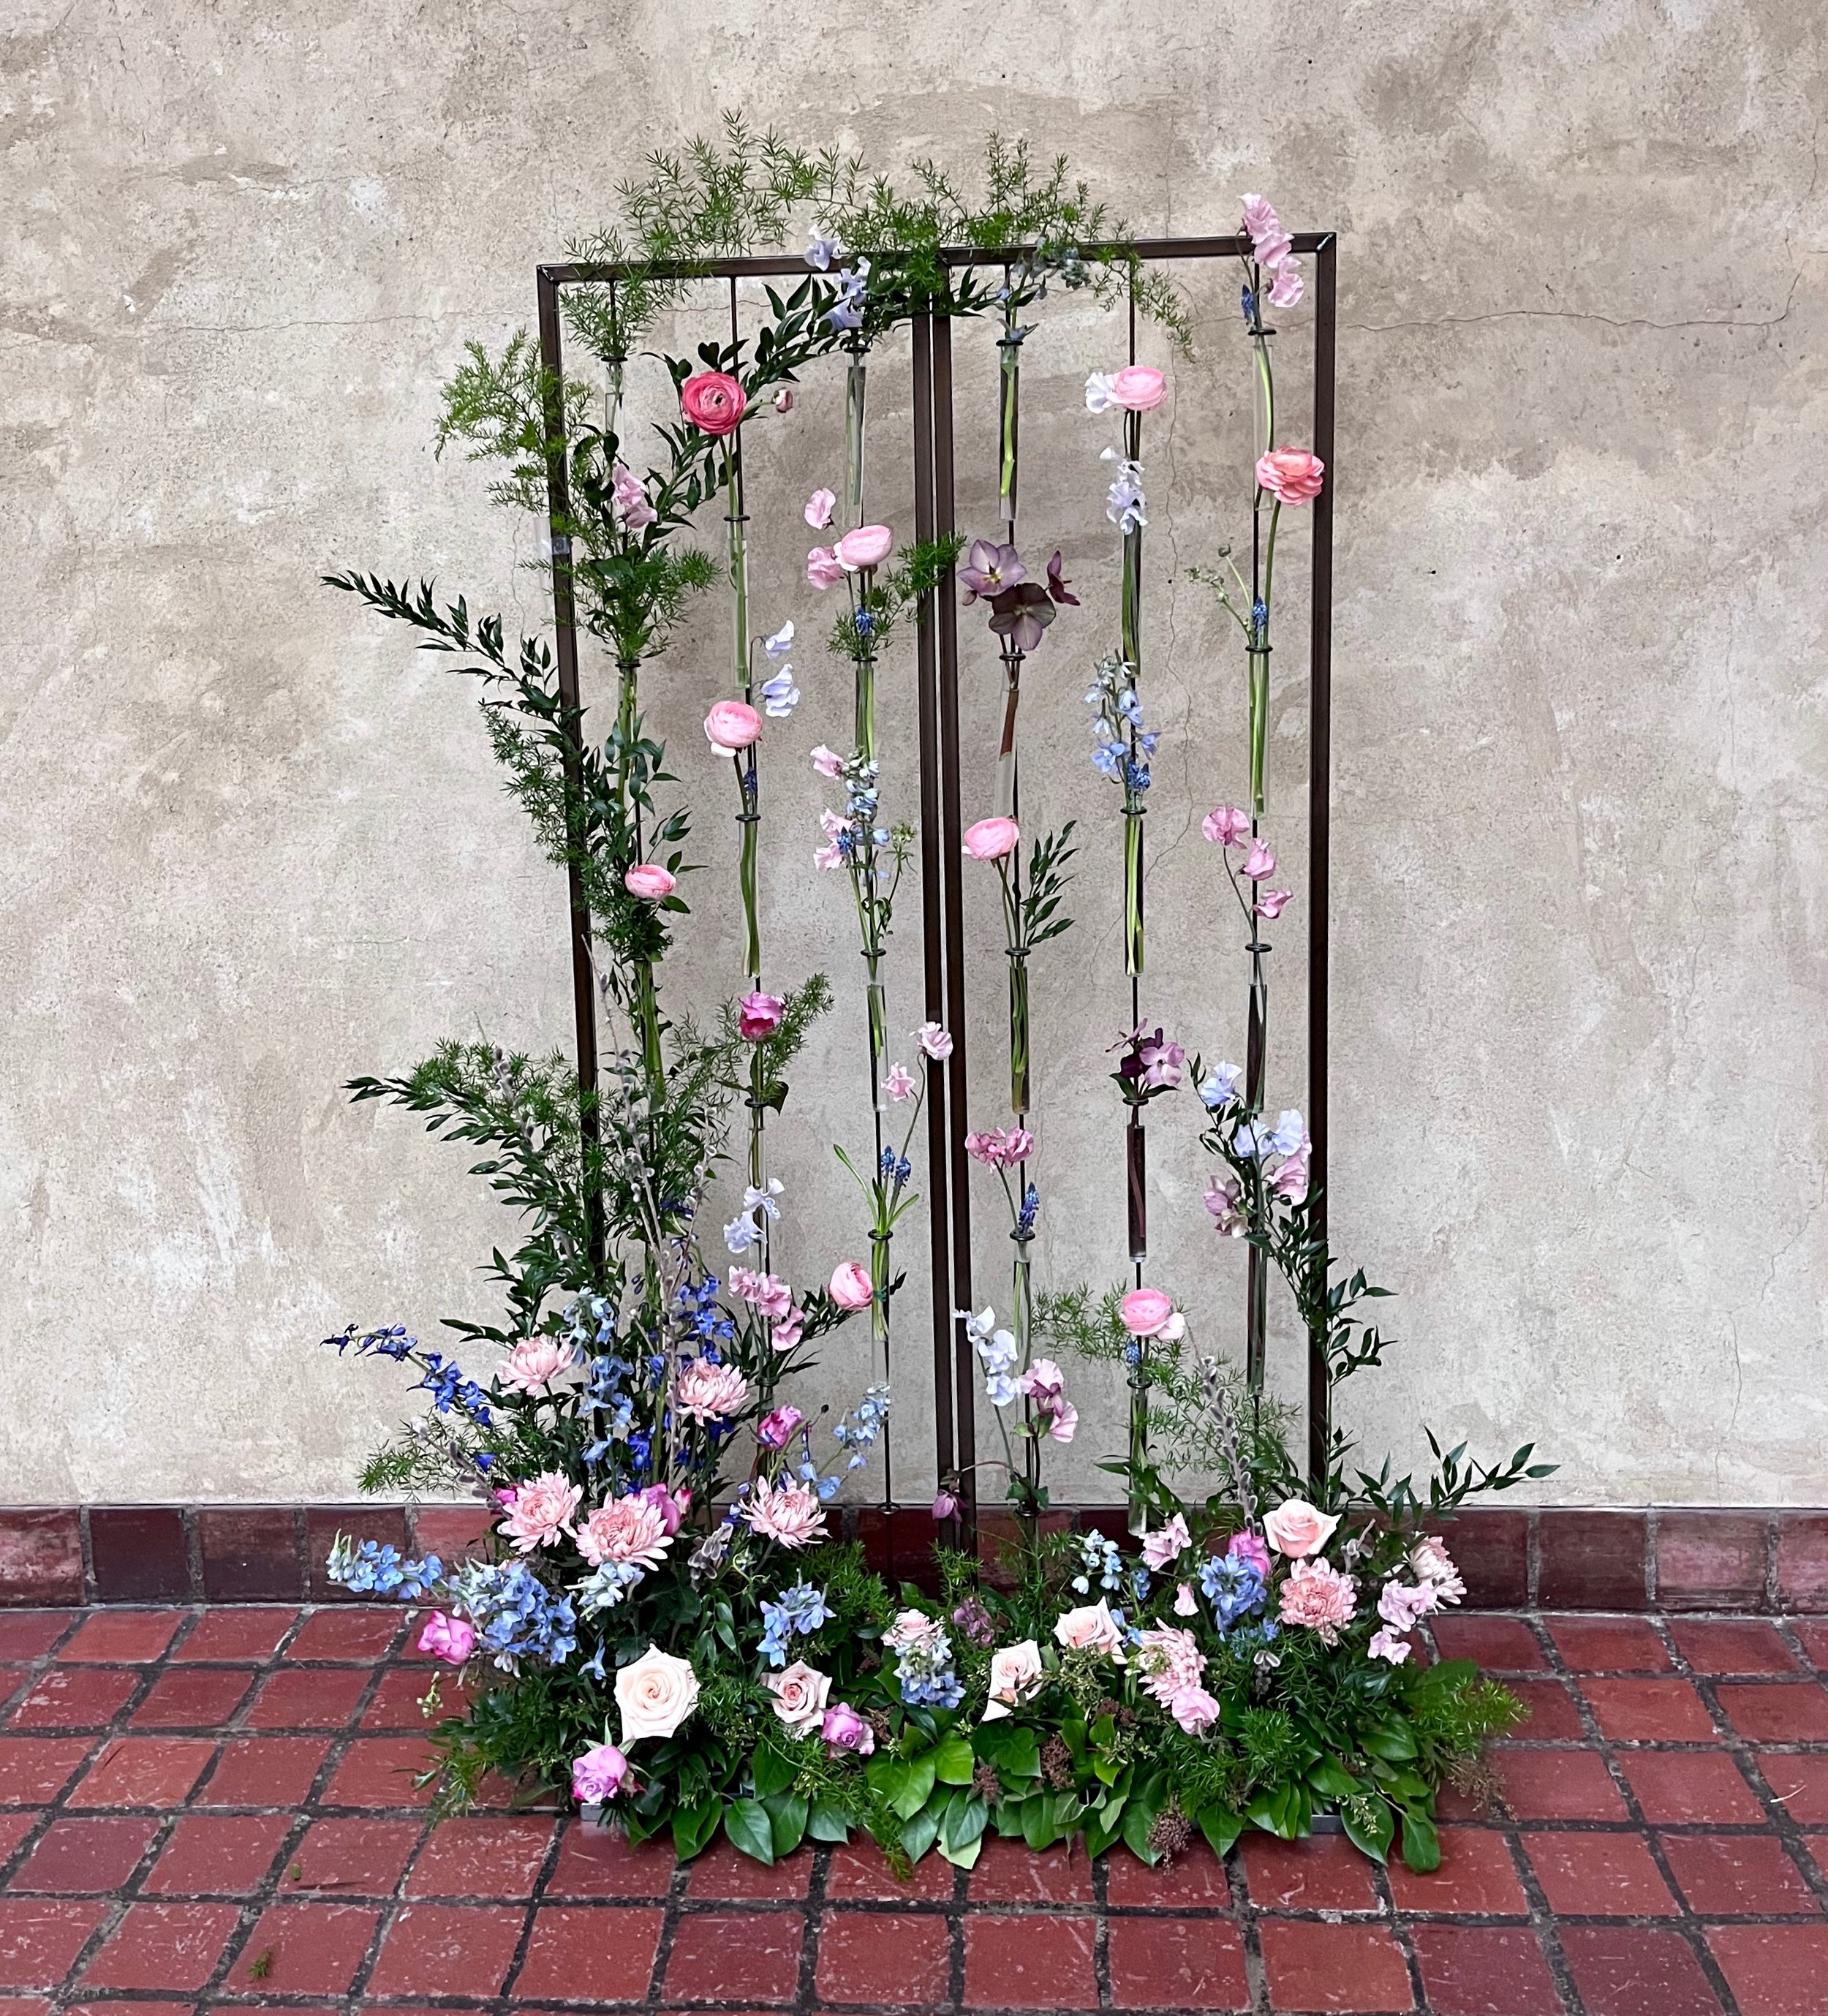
<point x="845" y="1729"/>
<point x="450" y="1638"/>
<point x="732" y="726"/>
<point x="1291" y="475"/>
<point x="775" y="1431"/>
<point x="991" y="839"/>
<point x="598" y="1775"/>
<point x="713" y="401"/>
<point x="849" y="1286"/>
<point x="648" y="880"/>
<point x="759" y="1015"/>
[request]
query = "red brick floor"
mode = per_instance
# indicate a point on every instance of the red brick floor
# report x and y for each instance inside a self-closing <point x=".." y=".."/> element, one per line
<point x="205" y="1810"/>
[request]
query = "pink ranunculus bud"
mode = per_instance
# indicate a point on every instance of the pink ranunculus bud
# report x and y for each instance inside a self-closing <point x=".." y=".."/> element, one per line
<point x="759" y="1015"/>
<point x="450" y="1638"/>
<point x="672" y="1506"/>
<point x="713" y="401"/>
<point x="1146" y="1312"/>
<point x="1137" y="388"/>
<point x="598" y="1775"/>
<point x="819" y="509"/>
<point x="1226" y="825"/>
<point x="991" y="839"/>
<point x="945" y="1505"/>
<point x="1291" y="475"/>
<point x="1272" y="902"/>
<point x="784" y="400"/>
<point x="732" y="726"/>
<point x="775" y="1431"/>
<point x="866" y="547"/>
<point x="649" y="880"/>
<point x="822" y="570"/>
<point x="1260" y="862"/>
<point x="845" y="1729"/>
<point x="850" y="1287"/>
<point x="828" y="762"/>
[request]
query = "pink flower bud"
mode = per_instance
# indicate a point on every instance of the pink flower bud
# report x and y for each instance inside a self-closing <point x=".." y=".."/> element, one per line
<point x="732" y="726"/>
<point x="991" y="839"/>
<point x="850" y="1287"/>
<point x="598" y="1775"/>
<point x="866" y="547"/>
<point x="647" y="879"/>
<point x="759" y="1015"/>
<point x="784" y="400"/>
<point x="775" y="1431"/>
<point x="450" y="1638"/>
<point x="944" y="1505"/>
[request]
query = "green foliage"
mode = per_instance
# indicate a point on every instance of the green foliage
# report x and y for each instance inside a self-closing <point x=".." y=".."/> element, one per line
<point x="501" y="408"/>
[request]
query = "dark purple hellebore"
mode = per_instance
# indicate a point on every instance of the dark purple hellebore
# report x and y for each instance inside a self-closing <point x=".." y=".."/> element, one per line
<point x="1021" y="614"/>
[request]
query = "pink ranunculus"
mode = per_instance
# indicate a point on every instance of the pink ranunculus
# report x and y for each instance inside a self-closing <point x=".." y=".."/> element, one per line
<point x="945" y="1505"/>
<point x="1146" y="1312"/>
<point x="1389" y="1644"/>
<point x="1194" y="1709"/>
<point x="540" y="1510"/>
<point x="1225" y="1202"/>
<point x="535" y="1365"/>
<point x="630" y="498"/>
<point x="1291" y="475"/>
<point x="1288" y="286"/>
<point x="775" y="1431"/>
<point x="1166" y="1543"/>
<point x="822" y="570"/>
<point x="1259" y="863"/>
<point x="713" y="401"/>
<point x="867" y="547"/>
<point x="1268" y="241"/>
<point x="819" y="509"/>
<point x="991" y="839"/>
<point x="844" y="1730"/>
<point x="1272" y="902"/>
<point x="1248" y="1547"/>
<point x="732" y="726"/>
<point x="759" y="1015"/>
<point x="935" y="1041"/>
<point x="789" y="1514"/>
<point x="708" y="1392"/>
<point x="649" y="881"/>
<point x="850" y="1286"/>
<point x="627" y="1529"/>
<point x="1296" y="1528"/>
<point x="1319" y="1599"/>
<point x="828" y="762"/>
<point x="450" y="1638"/>
<point x="901" y="1085"/>
<point x="1137" y="388"/>
<point x="1226" y="825"/>
<point x="598" y="1775"/>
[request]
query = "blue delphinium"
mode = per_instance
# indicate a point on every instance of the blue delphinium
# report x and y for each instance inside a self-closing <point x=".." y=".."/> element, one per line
<point x="1101" y="1561"/>
<point x="796" y="1612"/>
<point x="923" y="1666"/>
<point x="369" y="1568"/>
<point x="1234" y="1587"/>
<point x="517" y="1617"/>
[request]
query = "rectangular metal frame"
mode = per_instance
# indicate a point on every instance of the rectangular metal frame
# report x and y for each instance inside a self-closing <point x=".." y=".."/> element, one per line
<point x="942" y="894"/>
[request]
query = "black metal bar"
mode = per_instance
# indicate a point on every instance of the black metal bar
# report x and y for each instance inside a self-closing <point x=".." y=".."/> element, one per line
<point x="952" y="900"/>
<point x="938" y="1155"/>
<point x="565" y="633"/>
<point x="1320" y="813"/>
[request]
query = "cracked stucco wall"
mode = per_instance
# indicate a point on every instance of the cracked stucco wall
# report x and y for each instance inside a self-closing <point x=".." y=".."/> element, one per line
<point x="252" y="845"/>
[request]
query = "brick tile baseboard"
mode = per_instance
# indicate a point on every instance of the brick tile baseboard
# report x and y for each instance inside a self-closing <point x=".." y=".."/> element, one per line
<point x="1667" y="1558"/>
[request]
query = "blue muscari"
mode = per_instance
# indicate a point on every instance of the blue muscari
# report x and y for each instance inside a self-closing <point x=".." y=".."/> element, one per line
<point x="1026" y="1216"/>
<point x="895" y="1168"/>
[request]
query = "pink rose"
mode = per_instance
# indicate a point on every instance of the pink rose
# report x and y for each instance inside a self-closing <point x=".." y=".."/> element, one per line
<point x="1272" y="902"/>
<point x="828" y="762"/>
<point x="1291" y="475"/>
<point x="800" y="1692"/>
<point x="450" y="1638"/>
<point x="819" y="509"/>
<point x="850" y="1287"/>
<point x="759" y="1015"/>
<point x="865" y="548"/>
<point x="1137" y="388"/>
<point x="649" y="880"/>
<point x="732" y="726"/>
<point x="1146" y="1311"/>
<point x="822" y="570"/>
<point x="1259" y="863"/>
<point x="775" y="1431"/>
<point x="713" y="401"/>
<point x="1226" y="825"/>
<point x="598" y="1775"/>
<point x="1296" y="1528"/>
<point x="991" y="839"/>
<point x="845" y="1729"/>
<point x="1250" y="1547"/>
<point x="1091" y="1628"/>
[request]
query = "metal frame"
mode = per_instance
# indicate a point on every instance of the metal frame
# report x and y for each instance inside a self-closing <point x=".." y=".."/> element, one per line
<point x="942" y="894"/>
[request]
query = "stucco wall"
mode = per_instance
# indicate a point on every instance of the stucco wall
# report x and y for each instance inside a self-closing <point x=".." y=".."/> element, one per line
<point x="251" y="843"/>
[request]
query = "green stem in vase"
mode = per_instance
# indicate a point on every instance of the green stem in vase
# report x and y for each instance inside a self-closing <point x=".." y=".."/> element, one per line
<point x="1010" y="347"/>
<point x="855" y="386"/>
<point x="1138" y="1450"/>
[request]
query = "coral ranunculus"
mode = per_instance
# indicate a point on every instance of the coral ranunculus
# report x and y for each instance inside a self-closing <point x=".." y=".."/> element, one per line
<point x="732" y="726"/>
<point x="991" y="839"/>
<point x="850" y="1287"/>
<point x="649" y="881"/>
<point x="866" y="547"/>
<point x="1291" y="475"/>
<point x="714" y="401"/>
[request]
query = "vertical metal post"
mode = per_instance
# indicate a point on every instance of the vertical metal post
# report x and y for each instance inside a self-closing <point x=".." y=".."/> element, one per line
<point x="565" y="634"/>
<point x="952" y="899"/>
<point x="946" y="1456"/>
<point x="1320" y="815"/>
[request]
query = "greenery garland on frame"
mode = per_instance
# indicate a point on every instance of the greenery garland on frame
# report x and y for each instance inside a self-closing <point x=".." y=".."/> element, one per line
<point x="664" y="1620"/>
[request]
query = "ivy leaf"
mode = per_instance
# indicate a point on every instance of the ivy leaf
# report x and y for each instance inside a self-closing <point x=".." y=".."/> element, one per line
<point x="952" y="1761"/>
<point x="787" y="1816"/>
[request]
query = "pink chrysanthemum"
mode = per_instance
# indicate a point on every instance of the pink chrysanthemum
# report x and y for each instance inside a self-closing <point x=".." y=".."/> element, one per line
<point x="789" y="1514"/>
<point x="539" y="1512"/>
<point x="1319" y="1599"/>
<point x="627" y="1529"/>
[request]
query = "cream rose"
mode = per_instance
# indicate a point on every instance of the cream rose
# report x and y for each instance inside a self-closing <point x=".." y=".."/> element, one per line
<point x="1091" y="1628"/>
<point x="800" y="1694"/>
<point x="1298" y="1529"/>
<point x="1015" y="1673"/>
<point x="655" y="1695"/>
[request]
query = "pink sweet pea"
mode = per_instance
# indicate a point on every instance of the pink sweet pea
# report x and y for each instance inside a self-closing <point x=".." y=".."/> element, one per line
<point x="1272" y="902"/>
<point x="1288" y="286"/>
<point x="867" y="547"/>
<point x="935" y="1041"/>
<point x="819" y="509"/>
<point x="714" y="401"/>
<point x="1226" y="825"/>
<point x="450" y="1638"/>
<point x="631" y="500"/>
<point x="1268" y="241"/>
<point x="732" y="726"/>
<point x="828" y="762"/>
<point x="901" y="1083"/>
<point x="1291" y="475"/>
<point x="649" y="880"/>
<point x="849" y="1286"/>
<point x="945" y="1505"/>
<point x="991" y="839"/>
<point x="759" y="1015"/>
<point x="822" y="569"/>
<point x="1260" y="862"/>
